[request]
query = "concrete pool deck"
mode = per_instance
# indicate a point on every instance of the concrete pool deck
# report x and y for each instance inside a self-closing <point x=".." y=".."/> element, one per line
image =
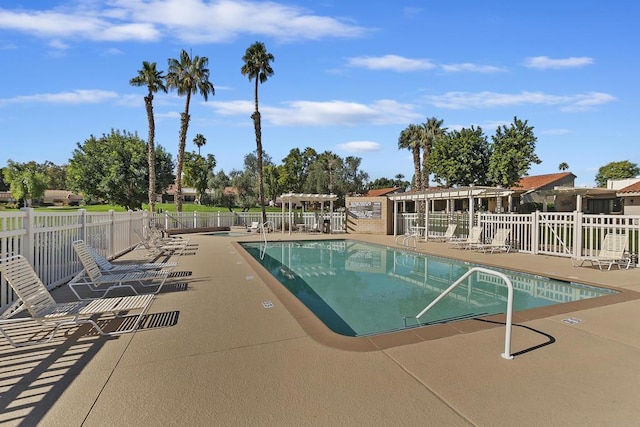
<point x="214" y="355"/>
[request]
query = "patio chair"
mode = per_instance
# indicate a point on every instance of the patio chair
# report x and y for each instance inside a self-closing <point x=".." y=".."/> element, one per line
<point x="45" y="311"/>
<point x="96" y="281"/>
<point x="107" y="267"/>
<point x="158" y="247"/>
<point x="498" y="243"/>
<point x="447" y="236"/>
<point x="612" y="251"/>
<point x="475" y="233"/>
<point x="254" y="227"/>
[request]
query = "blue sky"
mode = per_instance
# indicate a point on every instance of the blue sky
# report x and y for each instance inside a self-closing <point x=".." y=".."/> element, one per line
<point x="349" y="76"/>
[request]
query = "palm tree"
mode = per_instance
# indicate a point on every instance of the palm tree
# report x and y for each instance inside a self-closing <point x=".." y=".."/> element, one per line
<point x="153" y="79"/>
<point x="256" y="66"/>
<point x="410" y="140"/>
<point x="563" y="166"/>
<point x="187" y="75"/>
<point x="199" y="141"/>
<point x="432" y="130"/>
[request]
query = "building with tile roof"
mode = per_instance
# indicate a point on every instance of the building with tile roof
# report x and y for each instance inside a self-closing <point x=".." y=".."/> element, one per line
<point x="630" y="198"/>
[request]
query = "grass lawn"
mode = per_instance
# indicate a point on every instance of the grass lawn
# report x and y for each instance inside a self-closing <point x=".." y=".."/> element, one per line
<point x="168" y="207"/>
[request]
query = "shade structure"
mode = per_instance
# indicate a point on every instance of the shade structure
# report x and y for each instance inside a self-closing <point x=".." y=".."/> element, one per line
<point x="293" y="198"/>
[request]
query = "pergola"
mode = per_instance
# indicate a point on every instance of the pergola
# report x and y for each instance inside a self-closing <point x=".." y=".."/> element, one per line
<point x="293" y="198"/>
<point x="448" y="194"/>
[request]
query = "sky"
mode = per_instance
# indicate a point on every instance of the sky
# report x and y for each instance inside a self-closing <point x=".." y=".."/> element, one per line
<point x="349" y="76"/>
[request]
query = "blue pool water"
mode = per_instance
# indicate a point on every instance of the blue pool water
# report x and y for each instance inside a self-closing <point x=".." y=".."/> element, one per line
<point x="360" y="289"/>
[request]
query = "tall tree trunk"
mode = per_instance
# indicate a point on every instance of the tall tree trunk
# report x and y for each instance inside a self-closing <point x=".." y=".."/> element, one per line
<point x="417" y="175"/>
<point x="256" y="124"/>
<point x="151" y="158"/>
<point x="425" y="169"/>
<point x="184" y="125"/>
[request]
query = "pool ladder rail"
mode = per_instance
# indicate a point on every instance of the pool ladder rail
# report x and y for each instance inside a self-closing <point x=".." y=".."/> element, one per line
<point x="409" y="240"/>
<point x="507" y="339"/>
<point x="264" y="229"/>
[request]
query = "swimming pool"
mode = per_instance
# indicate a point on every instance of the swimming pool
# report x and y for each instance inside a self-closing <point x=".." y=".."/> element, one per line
<point x="360" y="289"/>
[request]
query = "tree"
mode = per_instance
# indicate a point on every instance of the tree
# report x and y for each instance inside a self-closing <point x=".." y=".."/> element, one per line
<point x="272" y="181"/>
<point x="296" y="169"/>
<point x="354" y="178"/>
<point x="199" y="141"/>
<point x="431" y="131"/>
<point x="114" y="168"/>
<point x="616" y="170"/>
<point x="4" y="186"/>
<point x="56" y="175"/>
<point x="257" y="66"/>
<point x="25" y="181"/>
<point x="410" y="139"/>
<point x="188" y="76"/>
<point x="197" y="173"/>
<point x="219" y="183"/>
<point x="460" y="158"/>
<point x="513" y="152"/>
<point x="153" y="79"/>
<point x="563" y="166"/>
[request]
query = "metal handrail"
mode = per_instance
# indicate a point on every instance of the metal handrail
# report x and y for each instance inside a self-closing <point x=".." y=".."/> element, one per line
<point x="507" y="339"/>
<point x="263" y="233"/>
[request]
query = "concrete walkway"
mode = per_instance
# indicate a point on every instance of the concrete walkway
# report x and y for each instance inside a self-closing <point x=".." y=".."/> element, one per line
<point x="213" y="355"/>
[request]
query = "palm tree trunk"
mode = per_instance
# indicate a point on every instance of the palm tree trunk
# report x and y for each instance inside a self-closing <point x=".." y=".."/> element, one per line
<point x="417" y="175"/>
<point x="256" y="124"/>
<point x="184" y="125"/>
<point x="425" y="170"/>
<point x="151" y="153"/>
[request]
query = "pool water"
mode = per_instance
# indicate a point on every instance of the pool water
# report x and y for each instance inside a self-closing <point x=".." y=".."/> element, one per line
<point x="360" y="289"/>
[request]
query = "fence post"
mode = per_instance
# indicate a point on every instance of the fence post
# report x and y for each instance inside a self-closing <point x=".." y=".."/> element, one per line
<point x="28" y="243"/>
<point x="112" y="232"/>
<point x="577" y="233"/>
<point x="82" y="220"/>
<point x="535" y="232"/>
<point x="195" y="219"/>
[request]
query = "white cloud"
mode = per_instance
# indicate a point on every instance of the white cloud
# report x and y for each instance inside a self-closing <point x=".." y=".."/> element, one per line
<point x="402" y="64"/>
<point x="58" y="44"/>
<point x="391" y="62"/>
<point x="328" y="113"/>
<point x="472" y="68"/>
<point x="192" y="21"/>
<point x="79" y="96"/>
<point x="468" y="100"/>
<point x="359" y="146"/>
<point x="544" y="62"/>
<point x="112" y="51"/>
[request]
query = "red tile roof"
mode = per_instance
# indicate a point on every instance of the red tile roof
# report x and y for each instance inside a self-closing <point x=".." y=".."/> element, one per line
<point x="381" y="191"/>
<point x="633" y="188"/>
<point x="538" y="181"/>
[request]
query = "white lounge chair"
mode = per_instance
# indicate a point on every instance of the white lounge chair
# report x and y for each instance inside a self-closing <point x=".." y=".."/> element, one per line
<point x="254" y="227"/>
<point x="612" y="251"/>
<point x="156" y="247"/>
<point x="475" y="234"/>
<point x="498" y="243"/>
<point x="96" y="281"/>
<point x="48" y="313"/>
<point x="447" y="236"/>
<point x="107" y="267"/>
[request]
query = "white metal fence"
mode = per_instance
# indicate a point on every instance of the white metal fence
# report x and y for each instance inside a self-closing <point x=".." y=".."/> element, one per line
<point x="310" y="220"/>
<point x="45" y="238"/>
<point x="564" y="234"/>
